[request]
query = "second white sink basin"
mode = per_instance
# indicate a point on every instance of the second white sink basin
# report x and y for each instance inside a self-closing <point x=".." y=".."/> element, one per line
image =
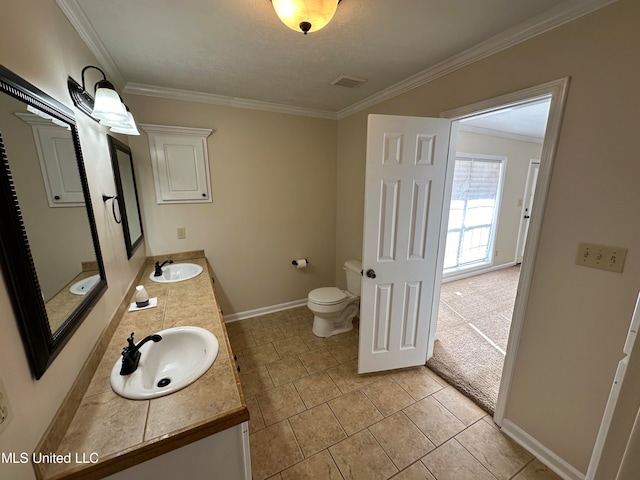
<point x="177" y="272"/>
<point x="81" y="287"/>
<point x="182" y="356"/>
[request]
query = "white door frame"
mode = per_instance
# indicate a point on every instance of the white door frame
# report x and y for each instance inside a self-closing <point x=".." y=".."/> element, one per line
<point x="557" y="91"/>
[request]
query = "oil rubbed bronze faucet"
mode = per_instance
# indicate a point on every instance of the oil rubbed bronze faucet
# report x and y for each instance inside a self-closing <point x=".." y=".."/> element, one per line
<point x="131" y="353"/>
<point x="158" y="267"/>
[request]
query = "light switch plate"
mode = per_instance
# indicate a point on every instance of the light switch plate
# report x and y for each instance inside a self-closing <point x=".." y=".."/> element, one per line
<point x="602" y="257"/>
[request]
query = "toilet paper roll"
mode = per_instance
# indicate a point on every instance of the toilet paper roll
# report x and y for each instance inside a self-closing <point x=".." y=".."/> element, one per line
<point x="301" y="263"/>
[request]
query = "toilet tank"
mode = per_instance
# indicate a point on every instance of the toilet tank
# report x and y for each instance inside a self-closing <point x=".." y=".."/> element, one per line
<point x="354" y="276"/>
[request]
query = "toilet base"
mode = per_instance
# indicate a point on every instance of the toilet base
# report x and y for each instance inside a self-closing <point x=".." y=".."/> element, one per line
<point x="327" y="327"/>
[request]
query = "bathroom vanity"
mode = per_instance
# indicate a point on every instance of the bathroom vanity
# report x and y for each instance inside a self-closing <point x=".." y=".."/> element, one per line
<point x="200" y="430"/>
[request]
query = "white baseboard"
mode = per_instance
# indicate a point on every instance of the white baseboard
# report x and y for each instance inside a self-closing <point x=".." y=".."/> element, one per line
<point x="234" y="317"/>
<point x="542" y="453"/>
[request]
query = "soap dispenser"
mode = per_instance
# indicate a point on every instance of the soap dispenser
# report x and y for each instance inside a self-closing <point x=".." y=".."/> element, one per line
<point x="142" y="297"/>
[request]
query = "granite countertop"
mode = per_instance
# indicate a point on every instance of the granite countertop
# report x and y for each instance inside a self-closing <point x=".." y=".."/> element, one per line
<point x="119" y="432"/>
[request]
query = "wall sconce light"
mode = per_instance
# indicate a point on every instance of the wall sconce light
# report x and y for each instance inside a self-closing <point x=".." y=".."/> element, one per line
<point x="305" y="15"/>
<point x="107" y="107"/>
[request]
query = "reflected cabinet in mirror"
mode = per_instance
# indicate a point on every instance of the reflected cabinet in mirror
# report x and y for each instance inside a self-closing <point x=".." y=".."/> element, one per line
<point x="127" y="200"/>
<point x="49" y="246"/>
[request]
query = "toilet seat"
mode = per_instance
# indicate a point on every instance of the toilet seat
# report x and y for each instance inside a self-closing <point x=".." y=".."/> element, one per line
<point x="327" y="296"/>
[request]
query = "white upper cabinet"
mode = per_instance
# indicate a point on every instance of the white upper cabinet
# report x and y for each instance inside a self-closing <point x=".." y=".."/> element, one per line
<point x="180" y="163"/>
<point x="58" y="163"/>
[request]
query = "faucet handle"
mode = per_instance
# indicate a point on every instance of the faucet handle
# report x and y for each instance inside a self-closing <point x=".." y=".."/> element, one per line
<point x="130" y="344"/>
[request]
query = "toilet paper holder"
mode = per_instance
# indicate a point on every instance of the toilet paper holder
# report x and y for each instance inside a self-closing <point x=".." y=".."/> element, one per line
<point x="295" y="262"/>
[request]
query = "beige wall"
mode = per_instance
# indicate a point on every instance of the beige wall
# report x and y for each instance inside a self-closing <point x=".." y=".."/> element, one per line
<point x="577" y="317"/>
<point x="38" y="43"/>
<point x="273" y="189"/>
<point x="518" y="154"/>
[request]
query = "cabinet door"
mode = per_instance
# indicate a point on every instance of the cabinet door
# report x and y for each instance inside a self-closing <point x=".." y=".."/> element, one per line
<point x="180" y="163"/>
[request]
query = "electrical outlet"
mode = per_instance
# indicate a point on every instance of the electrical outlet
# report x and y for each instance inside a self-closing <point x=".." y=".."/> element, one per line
<point x="5" y="409"/>
<point x="601" y="256"/>
<point x="182" y="233"/>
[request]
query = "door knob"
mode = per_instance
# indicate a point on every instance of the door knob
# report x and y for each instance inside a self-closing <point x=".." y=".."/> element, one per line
<point x="371" y="273"/>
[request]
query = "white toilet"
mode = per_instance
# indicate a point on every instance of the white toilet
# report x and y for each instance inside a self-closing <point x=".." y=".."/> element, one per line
<point x="333" y="308"/>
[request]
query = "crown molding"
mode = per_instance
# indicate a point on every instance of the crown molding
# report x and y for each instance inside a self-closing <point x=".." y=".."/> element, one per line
<point x="77" y="17"/>
<point x="201" y="97"/>
<point x="553" y="18"/>
<point x="549" y="20"/>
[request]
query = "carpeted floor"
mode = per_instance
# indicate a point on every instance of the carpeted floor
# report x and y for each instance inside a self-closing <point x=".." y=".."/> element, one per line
<point x="473" y="330"/>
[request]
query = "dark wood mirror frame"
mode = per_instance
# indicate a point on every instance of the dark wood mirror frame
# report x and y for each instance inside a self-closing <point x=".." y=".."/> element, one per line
<point x="131" y="244"/>
<point x="41" y="345"/>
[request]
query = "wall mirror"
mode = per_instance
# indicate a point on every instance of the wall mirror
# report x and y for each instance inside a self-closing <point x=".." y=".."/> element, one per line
<point x="128" y="203"/>
<point x="49" y="247"/>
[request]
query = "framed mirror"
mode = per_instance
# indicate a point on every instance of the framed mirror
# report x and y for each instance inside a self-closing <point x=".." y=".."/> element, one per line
<point x="49" y="247"/>
<point x="127" y="191"/>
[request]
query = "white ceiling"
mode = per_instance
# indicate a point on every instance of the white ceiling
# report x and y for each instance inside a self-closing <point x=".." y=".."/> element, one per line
<point x="238" y="52"/>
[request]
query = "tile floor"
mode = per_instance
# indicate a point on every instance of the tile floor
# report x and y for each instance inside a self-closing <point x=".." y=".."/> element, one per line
<point x="314" y="417"/>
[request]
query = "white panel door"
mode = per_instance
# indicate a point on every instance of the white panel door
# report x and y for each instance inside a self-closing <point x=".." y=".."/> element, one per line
<point x="404" y="235"/>
<point x="529" y="192"/>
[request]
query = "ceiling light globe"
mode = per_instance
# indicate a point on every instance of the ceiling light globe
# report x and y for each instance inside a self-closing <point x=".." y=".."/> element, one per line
<point x="305" y="15"/>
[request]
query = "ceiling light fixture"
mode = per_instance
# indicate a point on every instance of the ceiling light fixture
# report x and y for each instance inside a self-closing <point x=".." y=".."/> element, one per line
<point x="305" y="15"/>
<point x="107" y="107"/>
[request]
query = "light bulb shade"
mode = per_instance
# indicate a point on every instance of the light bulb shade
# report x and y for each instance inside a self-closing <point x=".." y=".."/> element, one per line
<point x="129" y="129"/>
<point x="305" y="15"/>
<point x="108" y="106"/>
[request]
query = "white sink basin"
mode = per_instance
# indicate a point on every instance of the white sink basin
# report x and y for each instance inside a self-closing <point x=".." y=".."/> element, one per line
<point x="177" y="272"/>
<point x="81" y="287"/>
<point x="182" y="356"/>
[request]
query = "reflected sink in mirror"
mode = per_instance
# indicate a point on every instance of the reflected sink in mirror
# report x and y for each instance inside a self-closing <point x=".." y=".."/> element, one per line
<point x="177" y="272"/>
<point x="182" y="356"/>
<point x="81" y="287"/>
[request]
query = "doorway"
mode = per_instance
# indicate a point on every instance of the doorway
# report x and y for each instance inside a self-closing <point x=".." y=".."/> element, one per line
<point x="556" y="93"/>
<point x="491" y="205"/>
<point x="402" y="229"/>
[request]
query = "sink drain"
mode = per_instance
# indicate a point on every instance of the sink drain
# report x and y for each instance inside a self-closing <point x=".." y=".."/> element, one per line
<point x="164" y="382"/>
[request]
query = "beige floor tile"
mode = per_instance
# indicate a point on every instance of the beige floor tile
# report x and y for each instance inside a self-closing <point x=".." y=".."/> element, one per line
<point x="387" y="396"/>
<point x="355" y="411"/>
<point x="280" y="403"/>
<point x="452" y="462"/>
<point x="346" y="377"/>
<point x="240" y="339"/>
<point x="464" y="409"/>
<point x="344" y="353"/>
<point x="435" y="421"/>
<point x="401" y="439"/>
<point x="312" y="341"/>
<point x="290" y="346"/>
<point x="359" y="457"/>
<point x="266" y="335"/>
<point x="255" y="380"/>
<point x="316" y="389"/>
<point x="254" y="357"/>
<point x="273" y="449"/>
<point x="501" y="456"/>
<point x="317" y="360"/>
<point x="319" y="467"/>
<point x="417" y="471"/>
<point x="286" y="371"/>
<point x="419" y="382"/>
<point x="256" y="422"/>
<point x="316" y="429"/>
<point x="536" y="471"/>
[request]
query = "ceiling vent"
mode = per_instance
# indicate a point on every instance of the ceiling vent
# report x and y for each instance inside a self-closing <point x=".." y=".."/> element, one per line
<point x="349" y="82"/>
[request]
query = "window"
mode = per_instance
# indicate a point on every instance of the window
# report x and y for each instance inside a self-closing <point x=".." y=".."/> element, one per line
<point x="474" y="211"/>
